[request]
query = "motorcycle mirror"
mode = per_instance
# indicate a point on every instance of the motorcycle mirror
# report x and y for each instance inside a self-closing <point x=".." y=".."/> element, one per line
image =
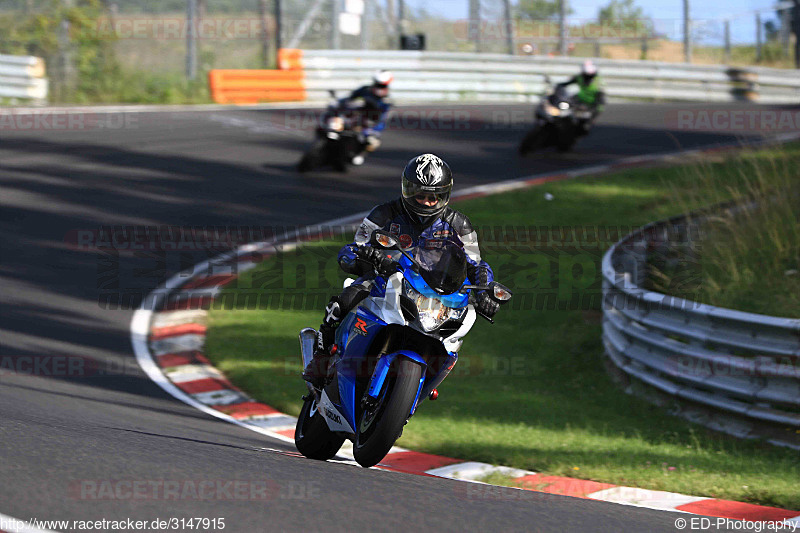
<point x="383" y="239"/>
<point x="332" y="93"/>
<point x="547" y="79"/>
<point x="500" y="293"/>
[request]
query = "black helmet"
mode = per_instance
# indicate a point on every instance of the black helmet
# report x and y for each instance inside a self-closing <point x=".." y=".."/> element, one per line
<point x="427" y="182"/>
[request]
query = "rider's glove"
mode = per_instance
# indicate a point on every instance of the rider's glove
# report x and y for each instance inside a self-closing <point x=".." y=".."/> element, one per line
<point x="487" y="306"/>
<point x="383" y="265"/>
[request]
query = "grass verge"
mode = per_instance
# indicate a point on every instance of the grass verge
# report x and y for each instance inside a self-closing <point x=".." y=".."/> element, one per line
<point x="749" y="260"/>
<point x="530" y="391"/>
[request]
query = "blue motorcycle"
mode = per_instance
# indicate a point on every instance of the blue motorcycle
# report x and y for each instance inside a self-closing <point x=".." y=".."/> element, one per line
<point x="391" y="352"/>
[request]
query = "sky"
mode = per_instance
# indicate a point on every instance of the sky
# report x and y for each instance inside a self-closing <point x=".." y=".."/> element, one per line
<point x="668" y="14"/>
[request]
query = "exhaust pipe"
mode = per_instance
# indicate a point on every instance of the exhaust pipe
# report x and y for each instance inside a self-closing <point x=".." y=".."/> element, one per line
<point x="308" y="338"/>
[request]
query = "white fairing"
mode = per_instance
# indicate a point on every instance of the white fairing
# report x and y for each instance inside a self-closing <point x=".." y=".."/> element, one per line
<point x="335" y="420"/>
<point x="388" y="307"/>
<point x="454" y="341"/>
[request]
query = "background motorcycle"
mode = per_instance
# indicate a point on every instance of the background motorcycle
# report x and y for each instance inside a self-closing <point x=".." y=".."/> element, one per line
<point x="392" y="352"/>
<point x="338" y="138"/>
<point x="559" y="121"/>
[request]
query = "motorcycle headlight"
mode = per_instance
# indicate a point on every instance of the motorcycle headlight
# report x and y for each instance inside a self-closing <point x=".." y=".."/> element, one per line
<point x="551" y="109"/>
<point x="432" y="312"/>
<point x="336" y="123"/>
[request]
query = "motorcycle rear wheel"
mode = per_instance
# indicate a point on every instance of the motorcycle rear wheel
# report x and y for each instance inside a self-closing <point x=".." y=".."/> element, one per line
<point x="382" y="425"/>
<point x="312" y="436"/>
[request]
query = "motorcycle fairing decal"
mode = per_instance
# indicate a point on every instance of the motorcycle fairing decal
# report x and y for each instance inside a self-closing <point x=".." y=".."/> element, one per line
<point x="333" y="417"/>
<point x="360" y="327"/>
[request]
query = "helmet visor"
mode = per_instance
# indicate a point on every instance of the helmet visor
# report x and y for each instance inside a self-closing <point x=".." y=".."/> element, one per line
<point x="423" y="199"/>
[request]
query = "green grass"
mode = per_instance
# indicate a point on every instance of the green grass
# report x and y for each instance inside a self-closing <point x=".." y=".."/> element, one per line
<point x="530" y="391"/>
<point x="748" y="261"/>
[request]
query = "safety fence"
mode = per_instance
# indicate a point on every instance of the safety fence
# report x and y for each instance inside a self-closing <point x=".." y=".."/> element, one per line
<point x="444" y="76"/>
<point x="22" y="77"/>
<point x="729" y="370"/>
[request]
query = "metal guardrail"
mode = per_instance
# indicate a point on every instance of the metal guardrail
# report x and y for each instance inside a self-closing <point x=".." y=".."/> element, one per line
<point x="22" y="77"/>
<point x="731" y="371"/>
<point x="466" y="76"/>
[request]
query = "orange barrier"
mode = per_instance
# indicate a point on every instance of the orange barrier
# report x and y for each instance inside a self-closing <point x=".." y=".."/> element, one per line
<point x="290" y="59"/>
<point x="254" y="86"/>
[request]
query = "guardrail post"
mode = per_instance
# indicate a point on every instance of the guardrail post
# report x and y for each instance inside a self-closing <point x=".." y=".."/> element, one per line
<point x="744" y="84"/>
<point x="796" y="29"/>
<point x="191" y="39"/>
<point x="365" y="21"/>
<point x="759" y="37"/>
<point x="562" y="27"/>
<point x="65" y="74"/>
<point x="727" y="41"/>
<point x="687" y="33"/>
<point x="475" y="23"/>
<point x="509" y="27"/>
<point x="786" y="20"/>
<point x="336" y="39"/>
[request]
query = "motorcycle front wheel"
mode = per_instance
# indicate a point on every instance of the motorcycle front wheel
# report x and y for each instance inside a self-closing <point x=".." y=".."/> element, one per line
<point x="314" y="158"/>
<point x="312" y="436"/>
<point x="531" y="141"/>
<point x="382" y="424"/>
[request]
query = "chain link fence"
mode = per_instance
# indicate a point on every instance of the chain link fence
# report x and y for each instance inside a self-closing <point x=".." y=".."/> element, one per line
<point x="144" y="51"/>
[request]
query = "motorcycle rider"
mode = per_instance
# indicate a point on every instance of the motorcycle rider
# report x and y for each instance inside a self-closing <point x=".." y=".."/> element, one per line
<point x="590" y="91"/>
<point x="421" y="213"/>
<point x="374" y="109"/>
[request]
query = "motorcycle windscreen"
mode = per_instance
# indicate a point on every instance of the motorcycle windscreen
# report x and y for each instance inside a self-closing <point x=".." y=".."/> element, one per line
<point x="444" y="265"/>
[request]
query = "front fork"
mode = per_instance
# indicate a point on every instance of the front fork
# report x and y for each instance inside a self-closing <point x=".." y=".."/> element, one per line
<point x="382" y="371"/>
